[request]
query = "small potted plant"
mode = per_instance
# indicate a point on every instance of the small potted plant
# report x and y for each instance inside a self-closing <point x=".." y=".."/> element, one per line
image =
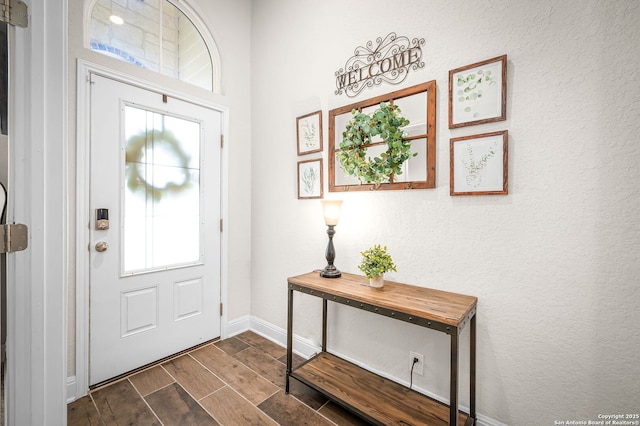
<point x="375" y="262"/>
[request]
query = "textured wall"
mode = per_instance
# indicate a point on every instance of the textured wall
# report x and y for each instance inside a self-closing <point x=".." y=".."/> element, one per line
<point x="555" y="264"/>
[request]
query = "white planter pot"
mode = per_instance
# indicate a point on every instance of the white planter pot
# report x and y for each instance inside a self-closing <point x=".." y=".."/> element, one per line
<point x="377" y="282"/>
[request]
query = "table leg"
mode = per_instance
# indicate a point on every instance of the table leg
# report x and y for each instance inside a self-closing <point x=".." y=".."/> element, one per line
<point x="453" y="402"/>
<point x="324" y="325"/>
<point x="472" y="369"/>
<point x="289" y="338"/>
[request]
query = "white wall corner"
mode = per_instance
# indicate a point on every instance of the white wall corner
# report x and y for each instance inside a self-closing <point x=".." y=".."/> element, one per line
<point x="301" y="346"/>
<point x="71" y="389"/>
<point x="236" y="326"/>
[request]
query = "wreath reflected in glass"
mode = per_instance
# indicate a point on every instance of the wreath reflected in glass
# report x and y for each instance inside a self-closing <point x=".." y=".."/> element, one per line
<point x="140" y="169"/>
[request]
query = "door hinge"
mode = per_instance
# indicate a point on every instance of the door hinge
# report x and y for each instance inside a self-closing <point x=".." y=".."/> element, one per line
<point x="14" y="12"/>
<point x="221" y="309"/>
<point x="15" y="237"/>
<point x="221" y="141"/>
<point x="220" y="225"/>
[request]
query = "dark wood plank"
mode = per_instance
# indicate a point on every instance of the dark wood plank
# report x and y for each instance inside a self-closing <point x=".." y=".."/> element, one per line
<point x="231" y="345"/>
<point x="340" y="416"/>
<point x="263" y="364"/>
<point x="296" y="361"/>
<point x="120" y="404"/>
<point x="288" y="411"/>
<point x="151" y="380"/>
<point x="174" y="406"/>
<point x="193" y="377"/>
<point x="244" y="380"/>
<point x="229" y="408"/>
<point x="437" y="305"/>
<point x="383" y="400"/>
<point x="275" y="372"/>
<point x="309" y="396"/>
<point x="83" y="412"/>
<point x="263" y="344"/>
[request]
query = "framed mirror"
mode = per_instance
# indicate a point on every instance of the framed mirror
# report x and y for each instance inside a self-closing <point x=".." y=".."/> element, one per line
<point x="418" y="105"/>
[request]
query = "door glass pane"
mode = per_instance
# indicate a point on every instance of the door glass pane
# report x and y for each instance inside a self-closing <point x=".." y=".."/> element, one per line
<point x="161" y="192"/>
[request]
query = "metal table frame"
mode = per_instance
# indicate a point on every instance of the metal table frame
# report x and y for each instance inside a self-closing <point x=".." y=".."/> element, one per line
<point x="452" y="331"/>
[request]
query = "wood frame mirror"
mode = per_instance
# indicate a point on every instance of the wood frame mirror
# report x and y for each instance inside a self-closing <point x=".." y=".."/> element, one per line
<point x="418" y="105"/>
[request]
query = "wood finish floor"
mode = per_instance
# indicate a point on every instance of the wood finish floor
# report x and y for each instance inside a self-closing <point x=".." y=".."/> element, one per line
<point x="236" y="381"/>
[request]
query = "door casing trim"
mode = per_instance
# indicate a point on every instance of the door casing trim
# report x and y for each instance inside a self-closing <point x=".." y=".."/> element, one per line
<point x="83" y="98"/>
<point x="36" y="364"/>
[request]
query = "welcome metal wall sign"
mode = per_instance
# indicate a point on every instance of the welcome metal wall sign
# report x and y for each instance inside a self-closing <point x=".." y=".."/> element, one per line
<point x="388" y="61"/>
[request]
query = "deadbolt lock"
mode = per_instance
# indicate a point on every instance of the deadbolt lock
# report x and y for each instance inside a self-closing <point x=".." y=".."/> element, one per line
<point x="102" y="219"/>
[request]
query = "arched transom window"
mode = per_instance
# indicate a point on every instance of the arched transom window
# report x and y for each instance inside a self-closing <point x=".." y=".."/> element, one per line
<point x="156" y="35"/>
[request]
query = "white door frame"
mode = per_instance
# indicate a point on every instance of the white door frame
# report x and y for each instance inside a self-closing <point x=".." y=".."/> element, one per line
<point x="81" y="383"/>
<point x="37" y="277"/>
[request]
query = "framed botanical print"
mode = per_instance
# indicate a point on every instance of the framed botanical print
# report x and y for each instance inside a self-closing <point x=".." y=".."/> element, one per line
<point x="309" y="133"/>
<point x="478" y="93"/>
<point x="310" y="183"/>
<point x="479" y="164"/>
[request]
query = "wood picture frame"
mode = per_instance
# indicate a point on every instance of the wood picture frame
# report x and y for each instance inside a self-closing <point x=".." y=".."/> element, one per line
<point x="310" y="179"/>
<point x="479" y="164"/>
<point x="478" y="93"/>
<point x="418" y="104"/>
<point x="309" y="133"/>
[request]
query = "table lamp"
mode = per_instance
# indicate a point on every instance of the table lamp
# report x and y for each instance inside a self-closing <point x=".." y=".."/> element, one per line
<point x="331" y="211"/>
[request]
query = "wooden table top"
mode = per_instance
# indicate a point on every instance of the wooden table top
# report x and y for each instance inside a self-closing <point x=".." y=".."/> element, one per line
<point x="437" y="305"/>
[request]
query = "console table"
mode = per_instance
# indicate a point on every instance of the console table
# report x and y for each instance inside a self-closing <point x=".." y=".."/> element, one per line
<point x="372" y="397"/>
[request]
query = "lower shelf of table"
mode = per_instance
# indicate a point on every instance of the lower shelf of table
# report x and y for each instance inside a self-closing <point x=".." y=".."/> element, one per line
<point x="372" y="397"/>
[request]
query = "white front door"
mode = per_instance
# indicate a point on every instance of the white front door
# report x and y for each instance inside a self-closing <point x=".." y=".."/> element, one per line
<point x="155" y="272"/>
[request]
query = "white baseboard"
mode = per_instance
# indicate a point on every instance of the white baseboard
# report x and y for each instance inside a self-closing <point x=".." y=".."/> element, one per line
<point x="488" y="421"/>
<point x="303" y="347"/>
<point x="237" y="326"/>
<point x="71" y="389"/>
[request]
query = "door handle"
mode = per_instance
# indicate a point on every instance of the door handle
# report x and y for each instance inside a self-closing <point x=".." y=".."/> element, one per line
<point x="101" y="246"/>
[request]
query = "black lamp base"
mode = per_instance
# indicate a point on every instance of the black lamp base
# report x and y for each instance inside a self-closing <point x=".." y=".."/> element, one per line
<point x="330" y="271"/>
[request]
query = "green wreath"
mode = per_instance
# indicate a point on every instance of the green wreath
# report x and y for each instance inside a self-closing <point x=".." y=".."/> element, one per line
<point x="134" y="157"/>
<point x="386" y="122"/>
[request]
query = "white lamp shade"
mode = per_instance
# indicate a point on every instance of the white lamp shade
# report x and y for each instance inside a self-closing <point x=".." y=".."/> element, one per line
<point x="331" y="211"/>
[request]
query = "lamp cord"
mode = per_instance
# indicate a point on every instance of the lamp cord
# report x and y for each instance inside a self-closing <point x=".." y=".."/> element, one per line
<point x="415" y="361"/>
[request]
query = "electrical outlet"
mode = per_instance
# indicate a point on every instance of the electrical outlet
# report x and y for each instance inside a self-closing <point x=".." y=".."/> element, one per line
<point x="418" y="368"/>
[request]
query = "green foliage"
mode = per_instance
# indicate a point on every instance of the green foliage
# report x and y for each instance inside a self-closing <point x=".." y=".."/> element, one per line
<point x="470" y="88"/>
<point x="385" y="122"/>
<point x="376" y="261"/>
